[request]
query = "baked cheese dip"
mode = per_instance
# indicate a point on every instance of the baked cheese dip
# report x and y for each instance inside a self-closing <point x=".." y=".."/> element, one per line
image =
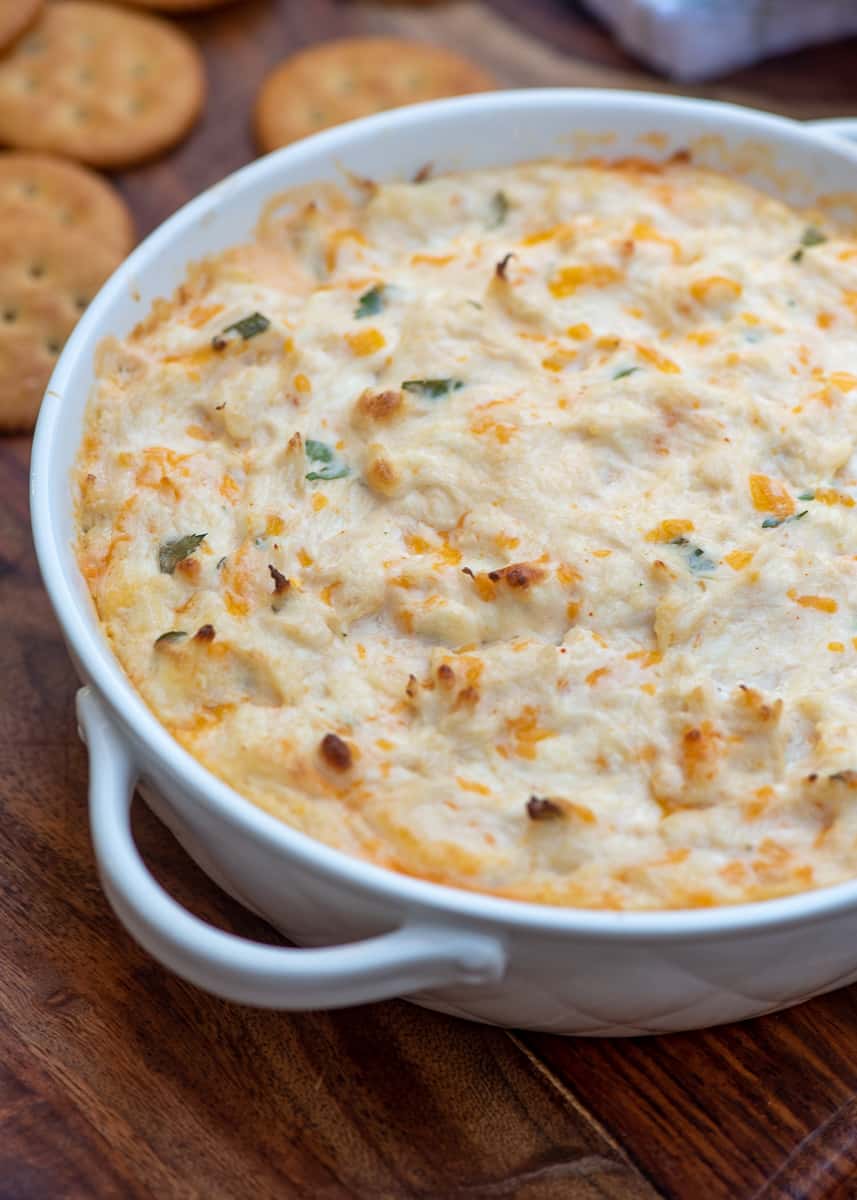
<point x="500" y="529"/>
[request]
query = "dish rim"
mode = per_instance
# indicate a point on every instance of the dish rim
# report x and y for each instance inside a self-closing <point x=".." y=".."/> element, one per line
<point x="138" y="723"/>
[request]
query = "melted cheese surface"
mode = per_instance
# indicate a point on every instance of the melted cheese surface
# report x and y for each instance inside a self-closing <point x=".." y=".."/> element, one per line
<point x="530" y="542"/>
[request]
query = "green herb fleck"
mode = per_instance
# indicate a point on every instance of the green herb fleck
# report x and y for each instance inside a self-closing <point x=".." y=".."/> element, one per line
<point x="371" y="302"/>
<point x="806" y="496"/>
<point x="773" y="522"/>
<point x="810" y="237"/>
<point x="697" y="559"/>
<point x="318" y="451"/>
<point x="170" y="554"/>
<point x="331" y="471"/>
<point x="499" y="209"/>
<point x="432" y="389"/>
<point x="625" y="372"/>
<point x="331" y="468"/>
<point x="172" y="635"/>
<point x="247" y="327"/>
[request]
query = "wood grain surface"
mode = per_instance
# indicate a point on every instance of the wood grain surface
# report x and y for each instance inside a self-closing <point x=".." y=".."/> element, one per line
<point x="118" y="1080"/>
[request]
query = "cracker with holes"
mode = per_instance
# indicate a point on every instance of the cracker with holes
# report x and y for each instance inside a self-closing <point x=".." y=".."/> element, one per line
<point x="338" y="81"/>
<point x="103" y="85"/>
<point x="47" y="278"/>
<point x="64" y="196"/>
<point x="15" y="16"/>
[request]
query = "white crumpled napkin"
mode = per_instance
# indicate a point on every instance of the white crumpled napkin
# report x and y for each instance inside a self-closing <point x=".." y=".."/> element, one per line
<point x="695" y="39"/>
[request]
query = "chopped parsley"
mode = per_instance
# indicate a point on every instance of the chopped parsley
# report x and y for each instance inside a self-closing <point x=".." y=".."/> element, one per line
<point x="170" y="554"/>
<point x="697" y="560"/>
<point x="330" y="466"/>
<point x="371" y="302"/>
<point x="811" y="237"/>
<point x="432" y="389"/>
<point x="625" y="372"/>
<point x="247" y="327"/>
<point x="499" y="209"/>
<point x="172" y="635"/>
<point x="773" y="522"/>
<point x="318" y="451"/>
<point x="331" y="471"/>
<point x="806" y="496"/>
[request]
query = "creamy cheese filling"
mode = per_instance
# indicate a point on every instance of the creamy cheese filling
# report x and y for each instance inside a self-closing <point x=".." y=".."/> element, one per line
<point x="500" y="529"/>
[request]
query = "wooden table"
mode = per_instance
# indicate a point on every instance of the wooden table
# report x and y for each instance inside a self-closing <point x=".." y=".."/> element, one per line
<point x="118" y="1080"/>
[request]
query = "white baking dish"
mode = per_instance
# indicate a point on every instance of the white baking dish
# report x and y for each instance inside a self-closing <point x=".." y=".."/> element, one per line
<point x="376" y="933"/>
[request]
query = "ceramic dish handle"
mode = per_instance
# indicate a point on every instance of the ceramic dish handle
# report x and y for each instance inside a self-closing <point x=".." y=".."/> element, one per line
<point x="410" y="959"/>
<point x="844" y="127"/>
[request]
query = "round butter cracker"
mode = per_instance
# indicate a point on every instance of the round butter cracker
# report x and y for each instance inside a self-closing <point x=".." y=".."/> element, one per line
<point x="99" y="84"/>
<point x="338" y="81"/>
<point x="47" y="278"/>
<point x="15" y="16"/>
<point x="65" y="196"/>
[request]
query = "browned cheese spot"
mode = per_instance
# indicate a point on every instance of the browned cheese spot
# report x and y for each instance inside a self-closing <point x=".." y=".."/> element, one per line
<point x="518" y="575"/>
<point x="188" y="568"/>
<point x="541" y="808"/>
<point x="500" y="269"/>
<point x="281" y="584"/>
<point x="378" y="407"/>
<point x="758" y="706"/>
<point x="335" y="752"/>
<point x="848" y="777"/>
<point x="381" y="475"/>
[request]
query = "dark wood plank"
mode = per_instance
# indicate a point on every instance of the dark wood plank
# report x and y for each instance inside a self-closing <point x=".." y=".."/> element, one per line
<point x="762" y="1109"/>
